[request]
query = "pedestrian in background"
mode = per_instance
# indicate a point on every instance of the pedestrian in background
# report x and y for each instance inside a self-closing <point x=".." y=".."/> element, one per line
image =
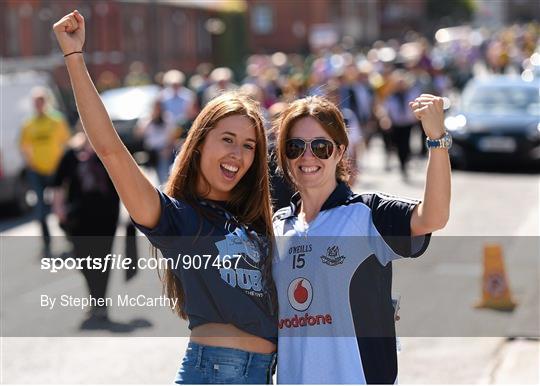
<point x="200" y="82"/>
<point x="357" y="94"/>
<point x="158" y="133"/>
<point x="87" y="208"/>
<point x="280" y="189"/>
<point x="222" y="80"/>
<point x="179" y="104"/>
<point x="178" y="101"/>
<point x="401" y="117"/>
<point x="42" y="141"/>
<point x="137" y="75"/>
<point x="354" y="132"/>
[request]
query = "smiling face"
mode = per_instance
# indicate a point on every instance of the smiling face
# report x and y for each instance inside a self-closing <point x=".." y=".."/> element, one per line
<point x="309" y="118"/>
<point x="227" y="153"/>
<point x="308" y="171"/>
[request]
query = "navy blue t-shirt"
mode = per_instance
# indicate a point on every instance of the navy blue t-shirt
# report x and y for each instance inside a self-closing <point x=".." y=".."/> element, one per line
<point x="219" y="265"/>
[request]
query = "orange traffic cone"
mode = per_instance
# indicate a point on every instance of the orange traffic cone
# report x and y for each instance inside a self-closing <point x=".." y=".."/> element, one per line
<point x="496" y="292"/>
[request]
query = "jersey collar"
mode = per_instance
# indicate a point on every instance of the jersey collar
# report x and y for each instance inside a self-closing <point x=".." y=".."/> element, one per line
<point x="339" y="196"/>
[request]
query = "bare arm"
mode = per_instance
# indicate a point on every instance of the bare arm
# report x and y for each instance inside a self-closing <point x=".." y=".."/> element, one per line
<point x="433" y="213"/>
<point x="135" y="190"/>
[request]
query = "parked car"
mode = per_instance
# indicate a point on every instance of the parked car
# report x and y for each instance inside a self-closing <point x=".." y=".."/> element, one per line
<point x="498" y="121"/>
<point x="126" y="105"/>
<point x="16" y="107"/>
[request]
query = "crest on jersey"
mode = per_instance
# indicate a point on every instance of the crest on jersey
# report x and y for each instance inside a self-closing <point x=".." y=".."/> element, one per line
<point x="332" y="257"/>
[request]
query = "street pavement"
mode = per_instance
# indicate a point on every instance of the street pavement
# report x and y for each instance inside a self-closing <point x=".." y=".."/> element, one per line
<point x="441" y="286"/>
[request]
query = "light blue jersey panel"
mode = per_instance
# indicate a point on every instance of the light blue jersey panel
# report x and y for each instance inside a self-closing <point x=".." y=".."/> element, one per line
<point x="317" y="356"/>
<point x="333" y="280"/>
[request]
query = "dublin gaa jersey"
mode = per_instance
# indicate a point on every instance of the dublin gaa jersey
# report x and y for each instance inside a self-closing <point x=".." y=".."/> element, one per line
<point x="334" y="280"/>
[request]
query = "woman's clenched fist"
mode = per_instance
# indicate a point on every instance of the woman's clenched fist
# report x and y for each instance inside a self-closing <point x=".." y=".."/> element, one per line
<point x="69" y="32"/>
<point x="430" y="110"/>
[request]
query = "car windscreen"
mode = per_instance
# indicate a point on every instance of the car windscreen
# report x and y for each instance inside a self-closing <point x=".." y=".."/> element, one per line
<point x="129" y="103"/>
<point x="499" y="100"/>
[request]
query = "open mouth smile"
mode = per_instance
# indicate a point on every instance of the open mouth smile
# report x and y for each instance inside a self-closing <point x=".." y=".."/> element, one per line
<point x="229" y="171"/>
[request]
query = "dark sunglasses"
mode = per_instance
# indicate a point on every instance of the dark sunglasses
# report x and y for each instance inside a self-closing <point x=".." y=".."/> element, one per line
<point x="320" y="147"/>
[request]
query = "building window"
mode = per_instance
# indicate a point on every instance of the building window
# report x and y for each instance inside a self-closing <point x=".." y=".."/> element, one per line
<point x="262" y="19"/>
<point x="13" y="33"/>
<point x="204" y="39"/>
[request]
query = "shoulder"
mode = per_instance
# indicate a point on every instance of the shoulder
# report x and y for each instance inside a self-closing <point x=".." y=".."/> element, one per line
<point x="56" y="115"/>
<point x="187" y="92"/>
<point x="177" y="218"/>
<point x="70" y="154"/>
<point x="390" y="214"/>
<point x="174" y="204"/>
<point x="176" y="210"/>
<point x="385" y="208"/>
<point x="57" y="118"/>
<point x="28" y="122"/>
<point x="374" y="199"/>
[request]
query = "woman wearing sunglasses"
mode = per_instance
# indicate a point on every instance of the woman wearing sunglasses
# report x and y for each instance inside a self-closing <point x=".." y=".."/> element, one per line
<point x="333" y="269"/>
<point x="215" y="211"/>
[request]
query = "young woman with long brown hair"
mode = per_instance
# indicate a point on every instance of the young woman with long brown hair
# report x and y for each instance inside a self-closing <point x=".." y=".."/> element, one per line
<point x="218" y="197"/>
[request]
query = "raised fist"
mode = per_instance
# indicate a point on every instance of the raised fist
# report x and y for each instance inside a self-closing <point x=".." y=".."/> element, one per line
<point x="429" y="109"/>
<point x="69" y="32"/>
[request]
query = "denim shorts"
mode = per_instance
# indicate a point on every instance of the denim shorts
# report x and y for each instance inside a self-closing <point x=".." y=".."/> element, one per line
<point x="208" y="364"/>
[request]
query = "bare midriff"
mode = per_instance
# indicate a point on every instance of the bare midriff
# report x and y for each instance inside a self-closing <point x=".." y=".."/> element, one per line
<point x="229" y="336"/>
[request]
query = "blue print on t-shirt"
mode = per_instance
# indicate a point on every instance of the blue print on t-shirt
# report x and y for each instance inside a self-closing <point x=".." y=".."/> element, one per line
<point x="237" y="245"/>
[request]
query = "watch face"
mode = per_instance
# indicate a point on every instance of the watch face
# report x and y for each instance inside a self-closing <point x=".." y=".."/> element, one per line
<point x="447" y="141"/>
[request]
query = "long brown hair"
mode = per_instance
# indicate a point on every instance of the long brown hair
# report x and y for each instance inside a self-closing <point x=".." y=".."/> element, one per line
<point x="328" y="116"/>
<point x="250" y="198"/>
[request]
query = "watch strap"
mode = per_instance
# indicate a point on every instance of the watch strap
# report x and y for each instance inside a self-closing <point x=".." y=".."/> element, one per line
<point x="442" y="143"/>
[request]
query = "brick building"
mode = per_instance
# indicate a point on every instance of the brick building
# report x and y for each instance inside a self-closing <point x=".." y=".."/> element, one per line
<point x="302" y="25"/>
<point x="162" y="34"/>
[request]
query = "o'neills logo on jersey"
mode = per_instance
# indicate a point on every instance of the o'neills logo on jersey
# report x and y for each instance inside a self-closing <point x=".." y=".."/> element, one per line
<point x="300" y="294"/>
<point x="304" y="321"/>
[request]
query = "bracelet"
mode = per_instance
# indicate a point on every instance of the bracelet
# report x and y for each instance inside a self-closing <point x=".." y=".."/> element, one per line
<point x="71" y="53"/>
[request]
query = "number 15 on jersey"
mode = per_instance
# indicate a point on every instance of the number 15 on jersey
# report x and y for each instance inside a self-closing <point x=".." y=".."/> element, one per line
<point x="298" y="260"/>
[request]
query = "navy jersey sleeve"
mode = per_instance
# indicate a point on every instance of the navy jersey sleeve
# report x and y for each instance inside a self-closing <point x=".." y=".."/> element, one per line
<point x="177" y="218"/>
<point x="391" y="217"/>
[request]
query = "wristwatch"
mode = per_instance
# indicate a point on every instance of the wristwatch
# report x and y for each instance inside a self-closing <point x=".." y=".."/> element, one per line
<point x="442" y="143"/>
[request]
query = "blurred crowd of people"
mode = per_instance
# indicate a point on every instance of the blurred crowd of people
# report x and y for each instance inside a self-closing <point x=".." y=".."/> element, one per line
<point x="372" y="85"/>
